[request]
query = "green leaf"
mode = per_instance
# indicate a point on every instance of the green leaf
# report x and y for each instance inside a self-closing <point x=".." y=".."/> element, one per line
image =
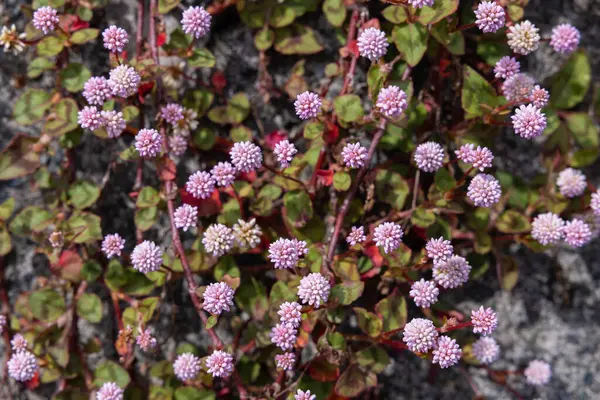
<point x="354" y="381"/>
<point x="85" y="13"/>
<point x="298" y="207"/>
<point x="235" y="112"/>
<point x="373" y="358"/>
<point x="85" y="228"/>
<point x="395" y="14"/>
<point x="89" y="306"/>
<point x="391" y="188"/>
<point x="37" y="66"/>
<point x="584" y="157"/>
<point x="336" y="340"/>
<point x="282" y="15"/>
<point x="341" y="181"/>
<point x="438" y="11"/>
<point x="202" y="58"/>
<point x="512" y="221"/>
<point x="476" y="91"/>
<point x="74" y="77"/>
<point x="443" y="180"/>
<point x="264" y="38"/>
<point x="130" y="113"/>
<point x="83" y="194"/>
<point x="313" y="130"/>
<point x="31" y="106"/>
<point x="335" y="12"/>
<point x="50" y="46"/>
<point x="205" y="138"/>
<point x="251" y="297"/>
<point x="346" y="293"/>
<point x="211" y="322"/>
<point x="145" y="218"/>
<point x="192" y="393"/>
<point x="6" y="208"/>
<point x="18" y="159"/>
<point x="84" y="35"/>
<point x="47" y="304"/>
<point x="148" y="197"/>
<point x="393" y="312"/>
<point x="127" y="280"/>
<point x="198" y="100"/>
<point x="509" y="273"/>
<point x="296" y="39"/>
<point x="348" y="107"/>
<point x="422" y="217"/>
<point x="91" y="271"/>
<point x="144" y="311"/>
<point x="109" y="371"/>
<point x="62" y="119"/>
<point x="584" y="130"/>
<point x="240" y="133"/>
<point x="570" y="85"/>
<point x="492" y="50"/>
<point x="411" y="41"/>
<point x="453" y="41"/>
<point x="164" y="6"/>
<point x="30" y="219"/>
<point x="368" y="322"/>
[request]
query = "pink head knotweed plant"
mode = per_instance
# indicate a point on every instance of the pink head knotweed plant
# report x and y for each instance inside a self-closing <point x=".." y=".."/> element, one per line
<point x="439" y="249"/>
<point x="96" y="90"/>
<point x="290" y="313"/>
<point x="113" y="122"/>
<point x="523" y="38"/>
<point x="539" y="97"/>
<point x="148" y="142"/>
<point x="196" y="22"/>
<point x="285" y="361"/>
<point x="484" y="190"/>
<point x="2" y="323"/>
<point x="284" y="336"/>
<point x="452" y="272"/>
<point x="354" y="155"/>
<point x="112" y="245"/>
<point x="90" y="118"/>
<point x="372" y="44"/>
<point x="490" y="16"/>
<point x="486" y="350"/>
<point x="177" y="145"/>
<point x="285" y="253"/>
<point x="22" y="366"/>
<point x="565" y="38"/>
<point x="518" y="87"/>
<point x="218" y="239"/>
<point x="482" y="158"/>
<point x="538" y="373"/>
<point x="528" y="121"/>
<point x="218" y="297"/>
<point x="146" y="257"/>
<point x="145" y="340"/>
<point x="389" y="236"/>
<point x="421" y="3"/>
<point x="571" y="182"/>
<point x="223" y="174"/>
<point x="424" y="293"/>
<point x="314" y="289"/>
<point x="123" y="81"/>
<point x="186" y="366"/>
<point x="219" y="364"/>
<point x="172" y="113"/>
<point x="284" y="151"/>
<point x="247" y="233"/>
<point x="246" y="156"/>
<point x="308" y="105"/>
<point x="484" y="321"/>
<point x="577" y="233"/>
<point x="304" y="395"/>
<point x="447" y="352"/>
<point x="115" y="39"/>
<point x="595" y="202"/>
<point x="185" y="217"/>
<point x="110" y="391"/>
<point x="429" y="156"/>
<point x="391" y="101"/>
<point x="200" y="185"/>
<point x="356" y="236"/>
<point x="420" y="335"/>
<point x="45" y="19"/>
<point x="506" y="67"/>
<point x="18" y="343"/>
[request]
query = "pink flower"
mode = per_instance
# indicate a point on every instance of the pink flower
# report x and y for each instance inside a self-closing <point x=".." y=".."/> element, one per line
<point x="547" y="228"/>
<point x="538" y="373"/>
<point x="314" y="289"/>
<point x="484" y="321"/>
<point x="356" y="236"/>
<point x="115" y="39"/>
<point x="146" y="257"/>
<point x="218" y="297"/>
<point x="285" y="151"/>
<point x="22" y="366"/>
<point x="148" y="142"/>
<point x="200" y="185"/>
<point x="186" y="366"/>
<point x="518" y="87"/>
<point x="285" y="361"/>
<point x="565" y="38"/>
<point x="506" y="67"/>
<point x="89" y="118"/>
<point x="220" y="364"/>
<point x="246" y="156"/>
<point x="484" y="190"/>
<point x="391" y="101"/>
<point x="451" y="273"/>
<point x="528" y="121"/>
<point x="595" y="202"/>
<point x="45" y="19"/>
<point x="482" y="158"/>
<point x="523" y="38"/>
<point x="300" y="395"/>
<point x="283" y="336"/>
<point x="114" y="123"/>
<point x="285" y="253"/>
<point x="354" y="155"/>
<point x="539" y="97"/>
<point x="196" y="21"/>
<point x="185" y="217"/>
<point x="577" y="233"/>
<point x="424" y="293"/>
<point x="123" y="81"/>
<point x="420" y="335"/>
<point x="145" y="340"/>
<point x="466" y="153"/>
<point x="223" y="174"/>
<point x="2" y="323"/>
<point x="571" y="182"/>
<point x="177" y="145"/>
<point x="110" y="391"/>
<point x="112" y="245"/>
<point x="486" y="350"/>
<point x="439" y="249"/>
<point x="389" y="236"/>
<point x="429" y="156"/>
<point x="247" y="233"/>
<point x="490" y="16"/>
<point x="421" y="3"/>
<point x="372" y="44"/>
<point x="96" y="90"/>
<point x="290" y="314"/>
<point x="19" y="343"/>
<point x="172" y="113"/>
<point x="308" y="105"/>
<point x="447" y="352"/>
<point x="218" y="239"/>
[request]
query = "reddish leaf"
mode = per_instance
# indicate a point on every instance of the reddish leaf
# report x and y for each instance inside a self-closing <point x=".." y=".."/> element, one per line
<point x="219" y="81"/>
<point x="34" y="382"/>
<point x="372" y="251"/>
<point x="352" y="47"/>
<point x="72" y="23"/>
<point x="332" y="132"/>
<point x="167" y="170"/>
<point x="444" y="64"/>
<point x="323" y="371"/>
<point x="206" y="207"/>
<point x="161" y="39"/>
<point x="69" y="265"/>
<point x="144" y="89"/>
<point x="420" y="232"/>
<point x="248" y="176"/>
<point x="372" y="23"/>
<point x="275" y="137"/>
<point x="325" y="177"/>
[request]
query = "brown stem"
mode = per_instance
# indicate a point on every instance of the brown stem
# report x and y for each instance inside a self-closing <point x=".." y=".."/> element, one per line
<point x="464" y="27"/>
<point x="139" y="36"/>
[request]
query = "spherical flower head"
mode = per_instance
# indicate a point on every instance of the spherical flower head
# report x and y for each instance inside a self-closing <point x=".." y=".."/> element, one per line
<point x="300" y="395"/>
<point x="146" y="257"/>
<point x="185" y="217"/>
<point x="506" y="67"/>
<point x="308" y="105"/>
<point x="484" y="190"/>
<point x="45" y="19"/>
<point x="391" y="101"/>
<point x="219" y="364"/>
<point x="218" y="297"/>
<point x="172" y="113"/>
<point x="482" y="158"/>
<point x="447" y="352"/>
<point x="148" y="142"/>
<point x="420" y="335"/>
<point x="539" y="97"/>
<point x="145" y="340"/>
<point x="565" y="38"/>
<point x="547" y="228"/>
<point x="571" y="182"/>
<point x="110" y="391"/>
<point x="285" y="361"/>
<point x="424" y="293"/>
<point x="439" y="249"/>
<point x="112" y="245"/>
<point x="11" y="40"/>
<point x="528" y="121"/>
<point x="186" y="366"/>
<point x="466" y="153"/>
<point x="314" y="289"/>
<point x="114" y="123"/>
<point x="538" y="373"/>
<point x="429" y="156"/>
<point x="289" y="313"/>
<point x="451" y="273"/>
<point x="523" y="38"/>
<point x="89" y="118"/>
<point x="96" y="90"/>
<point x="187" y="124"/>
<point x="57" y="239"/>
<point x="218" y="239"/>
<point x="421" y="3"/>
<point x="595" y="202"/>
<point x="223" y="174"/>
<point x="389" y="236"/>
<point x="518" y="87"/>
<point x="354" y="155"/>
<point x="486" y="350"/>
<point x="115" y="39"/>
<point x="301" y="247"/>
<point x="284" y="253"/>
<point x="22" y="366"/>
<point x="246" y="156"/>
<point x="356" y="236"/>
<point x="484" y="321"/>
<point x="196" y="21"/>
<point x="19" y="343"/>
<point x="177" y="145"/>
<point x="372" y="44"/>
<point x="285" y="151"/>
<point x="123" y="81"/>
<point x="200" y="185"/>
<point x="247" y="234"/>
<point x="283" y="336"/>
<point x="577" y="233"/>
<point x="490" y="16"/>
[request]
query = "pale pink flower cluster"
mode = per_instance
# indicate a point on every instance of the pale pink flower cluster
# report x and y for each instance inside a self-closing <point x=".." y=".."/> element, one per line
<point x="484" y="321"/>
<point x="356" y="236"/>
<point x="196" y="21"/>
<point x="523" y="38"/>
<point x="538" y="373"/>
<point x="424" y="293"/>
<point x="484" y="190"/>
<point x="285" y="151"/>
<point x="185" y="217"/>
<point x="115" y="39"/>
<point x="186" y="366"/>
<point x="389" y="236"/>
<point x="420" y="335"/>
<point x="246" y="156"/>
<point x="45" y="19"/>
<point x="480" y="157"/>
<point x="429" y="156"/>
<point x="200" y="185"/>
<point x="447" y="352"/>
<point x="452" y="272"/>
<point x="314" y="289"/>
<point x="308" y="105"/>
<point x="220" y="364"/>
<point x="285" y="253"/>
<point x="110" y="391"/>
<point x="218" y="297"/>
<point x="146" y="257"/>
<point x="218" y="239"/>
<point x="372" y="44"/>
<point x="354" y="155"/>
